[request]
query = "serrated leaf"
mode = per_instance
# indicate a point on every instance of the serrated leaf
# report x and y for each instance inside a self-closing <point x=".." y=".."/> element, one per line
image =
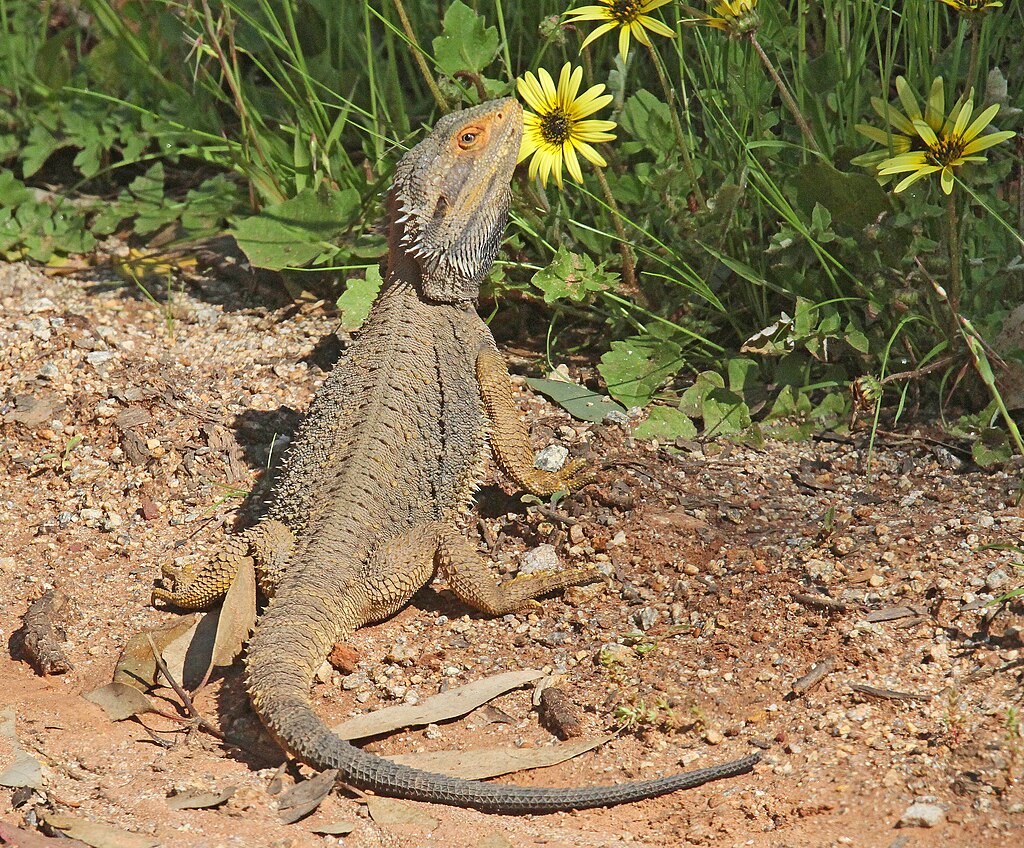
<point x="298" y="230"/>
<point x="635" y="368"/>
<point x="466" y="43"/>
<point x="647" y="118"/>
<point x="358" y="297"/>
<point x="572" y="276"/>
<point x="666" y="424"/>
<point x="579" y="401"/>
<point x="853" y="200"/>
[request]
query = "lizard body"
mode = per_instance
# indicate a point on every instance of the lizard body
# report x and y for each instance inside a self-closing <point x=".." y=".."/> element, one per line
<point x="368" y="504"/>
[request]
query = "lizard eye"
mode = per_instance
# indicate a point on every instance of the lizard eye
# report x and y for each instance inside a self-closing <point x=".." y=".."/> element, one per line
<point x="468" y="139"/>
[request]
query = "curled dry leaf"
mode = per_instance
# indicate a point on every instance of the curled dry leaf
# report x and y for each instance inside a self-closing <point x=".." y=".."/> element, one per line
<point x="303" y="798"/>
<point x="15" y="837"/>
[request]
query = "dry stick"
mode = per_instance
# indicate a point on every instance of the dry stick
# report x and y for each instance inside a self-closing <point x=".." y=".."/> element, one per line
<point x="887" y="694"/>
<point x="787" y="98"/>
<point x="677" y="128"/>
<point x="820" y="602"/>
<point x="628" y="266"/>
<point x="805" y="684"/>
<point x="417" y="54"/>
<point x="185" y="699"/>
<point x="953" y="240"/>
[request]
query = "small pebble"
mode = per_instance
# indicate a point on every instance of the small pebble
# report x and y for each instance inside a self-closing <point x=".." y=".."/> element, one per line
<point x="552" y="458"/>
<point x="922" y="815"/>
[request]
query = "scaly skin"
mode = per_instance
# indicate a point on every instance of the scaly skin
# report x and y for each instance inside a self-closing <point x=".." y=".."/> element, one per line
<point x="368" y="505"/>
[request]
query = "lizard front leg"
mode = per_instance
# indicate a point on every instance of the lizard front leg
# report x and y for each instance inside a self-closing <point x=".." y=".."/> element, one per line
<point x="266" y="545"/>
<point x="509" y="438"/>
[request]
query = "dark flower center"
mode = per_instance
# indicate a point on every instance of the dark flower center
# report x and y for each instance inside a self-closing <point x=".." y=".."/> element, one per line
<point x="949" y="149"/>
<point x="626" y="11"/>
<point x="556" y="127"/>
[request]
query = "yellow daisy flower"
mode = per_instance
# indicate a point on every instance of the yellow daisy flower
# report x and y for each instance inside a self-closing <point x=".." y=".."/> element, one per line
<point x="972" y="7"/>
<point x="902" y="136"/>
<point x="557" y="128"/>
<point x="736" y="17"/>
<point x="631" y="16"/>
<point x="946" y="141"/>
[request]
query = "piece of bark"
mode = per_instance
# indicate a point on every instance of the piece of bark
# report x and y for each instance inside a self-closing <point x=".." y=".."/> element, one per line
<point x="559" y="713"/>
<point x="805" y="684"/>
<point x="887" y="694"/>
<point x="41" y="633"/>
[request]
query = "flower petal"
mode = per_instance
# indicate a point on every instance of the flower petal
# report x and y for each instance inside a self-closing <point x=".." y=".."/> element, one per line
<point x="590" y="154"/>
<point x="893" y="116"/>
<point x="983" y="142"/>
<point x="530" y="90"/>
<point x="913" y="178"/>
<point x="624" y="43"/>
<point x="927" y="133"/>
<point x="982" y="121"/>
<point x="908" y="100"/>
<point x="547" y="86"/>
<point x="935" y="107"/>
<point x="640" y="34"/>
<point x="963" y="118"/>
<point x="589" y="102"/>
<point x="596" y="34"/>
<point x="947" y="180"/>
<point x="572" y="164"/>
<point x="656" y="26"/>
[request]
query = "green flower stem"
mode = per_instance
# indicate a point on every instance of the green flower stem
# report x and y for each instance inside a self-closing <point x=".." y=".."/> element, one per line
<point x="953" y="244"/>
<point x="972" y="65"/>
<point x="787" y="98"/>
<point x="417" y="54"/>
<point x="628" y="264"/>
<point x="677" y="128"/>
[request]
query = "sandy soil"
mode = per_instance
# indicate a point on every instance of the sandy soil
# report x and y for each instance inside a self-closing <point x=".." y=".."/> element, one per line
<point x="130" y="433"/>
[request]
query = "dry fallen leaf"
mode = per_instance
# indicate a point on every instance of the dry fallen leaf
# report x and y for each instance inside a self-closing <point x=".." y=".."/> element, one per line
<point x="479" y="763"/>
<point x="99" y="835"/>
<point x="24" y="769"/>
<point x="120" y="701"/>
<point x="303" y="798"/>
<point x="389" y="811"/>
<point x="15" y="837"/>
<point x="237" y="616"/>
<point x="136" y="666"/>
<point x="448" y="705"/>
<point x="196" y="799"/>
<point x="333" y="829"/>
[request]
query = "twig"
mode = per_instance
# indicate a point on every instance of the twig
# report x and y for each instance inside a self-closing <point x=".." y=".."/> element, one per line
<point x="820" y="602"/>
<point x="887" y="694"/>
<point x="185" y="699"/>
<point x="417" y="54"/>
<point x="801" y="686"/>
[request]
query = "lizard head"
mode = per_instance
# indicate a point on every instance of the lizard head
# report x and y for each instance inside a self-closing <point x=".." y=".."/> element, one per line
<point x="449" y="203"/>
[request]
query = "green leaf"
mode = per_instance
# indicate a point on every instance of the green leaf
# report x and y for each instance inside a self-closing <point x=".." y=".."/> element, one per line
<point x="570" y="275"/>
<point x="647" y="119"/>
<point x="992" y="448"/>
<point x="692" y="401"/>
<point x="358" y="297"/>
<point x="579" y="401"/>
<point x="466" y="43"/>
<point x="296" y="231"/>
<point x="12" y="190"/>
<point x="853" y="200"/>
<point x="635" y="368"/>
<point x="666" y="424"/>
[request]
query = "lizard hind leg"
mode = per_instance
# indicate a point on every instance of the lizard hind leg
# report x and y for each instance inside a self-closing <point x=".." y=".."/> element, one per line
<point x="266" y="546"/>
<point x="470" y="578"/>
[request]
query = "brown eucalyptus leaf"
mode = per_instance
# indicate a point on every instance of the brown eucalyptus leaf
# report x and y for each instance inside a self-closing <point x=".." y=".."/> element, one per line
<point x="303" y="798"/>
<point x="447" y="705"/>
<point x="196" y="799"/>
<point x="99" y="835"/>
<point x="237" y="616"/>
<point x="136" y="666"/>
<point x="120" y="701"/>
<point x="15" y="837"/>
<point x="333" y="829"/>
<point x="479" y="763"/>
<point x="390" y="811"/>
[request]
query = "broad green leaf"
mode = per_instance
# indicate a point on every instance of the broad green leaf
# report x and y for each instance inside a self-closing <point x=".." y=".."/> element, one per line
<point x="666" y="424"/>
<point x="358" y="297"/>
<point x="991" y="448"/>
<point x="579" y="401"/>
<point x="298" y="230"/>
<point x="647" y="119"/>
<point x="466" y="43"/>
<point x="854" y="200"/>
<point x="635" y="368"/>
<point x="570" y="275"/>
<point x="692" y="402"/>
